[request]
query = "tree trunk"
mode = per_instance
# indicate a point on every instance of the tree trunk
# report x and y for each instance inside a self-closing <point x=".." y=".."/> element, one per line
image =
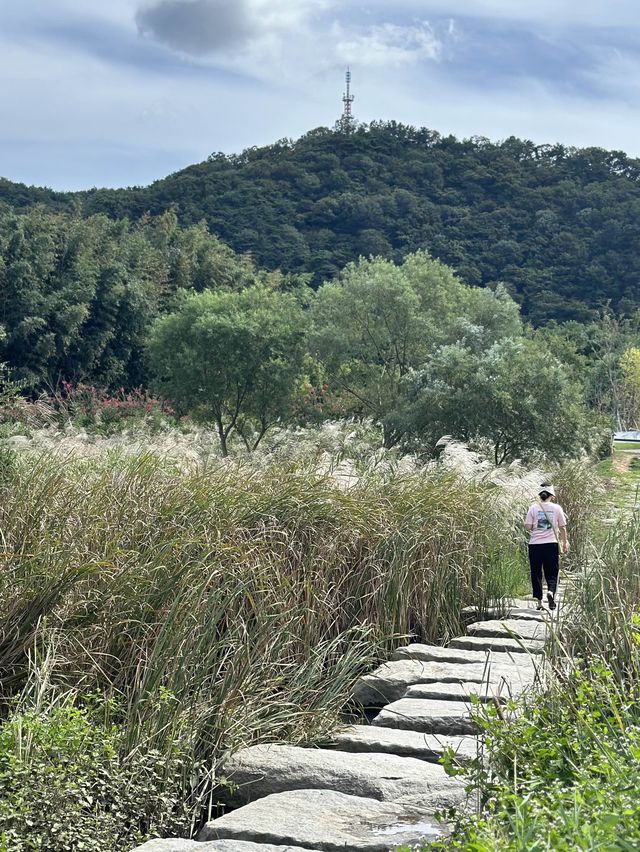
<point x="223" y="439"/>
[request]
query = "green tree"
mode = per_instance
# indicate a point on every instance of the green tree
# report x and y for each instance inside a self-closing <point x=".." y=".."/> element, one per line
<point x="379" y="321"/>
<point x="78" y="295"/>
<point x="630" y="369"/>
<point x="559" y="224"/>
<point x="231" y="357"/>
<point x="513" y="395"/>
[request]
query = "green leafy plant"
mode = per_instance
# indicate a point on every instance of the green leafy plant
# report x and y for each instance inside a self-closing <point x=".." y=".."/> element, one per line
<point x="66" y="786"/>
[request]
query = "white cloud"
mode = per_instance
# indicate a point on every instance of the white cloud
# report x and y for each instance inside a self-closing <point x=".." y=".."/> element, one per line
<point x="387" y="44"/>
<point x="75" y="114"/>
<point x="285" y="14"/>
<point x="547" y="12"/>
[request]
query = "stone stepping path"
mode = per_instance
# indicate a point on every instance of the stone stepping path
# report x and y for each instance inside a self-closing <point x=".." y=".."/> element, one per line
<point x="534" y="630"/>
<point x="461" y="691"/>
<point x="391" y="680"/>
<point x="261" y="770"/>
<point x="326" y="820"/>
<point x="449" y="655"/>
<point x="518" y="608"/>
<point x="484" y="643"/>
<point x="376" y="786"/>
<point x="427" y="716"/>
<point x="216" y="846"/>
<point x="405" y="743"/>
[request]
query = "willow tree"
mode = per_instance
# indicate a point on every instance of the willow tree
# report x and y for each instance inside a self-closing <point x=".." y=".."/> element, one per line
<point x="233" y="358"/>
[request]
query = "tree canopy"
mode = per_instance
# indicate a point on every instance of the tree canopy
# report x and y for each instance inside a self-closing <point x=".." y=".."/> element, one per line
<point x="231" y="357"/>
<point x="559" y="226"/>
<point x="378" y="321"/>
<point x="78" y="295"/>
<point x="513" y="396"/>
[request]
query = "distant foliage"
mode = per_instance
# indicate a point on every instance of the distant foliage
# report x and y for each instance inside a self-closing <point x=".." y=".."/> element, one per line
<point x="426" y="355"/>
<point x="231" y="358"/>
<point x="78" y="295"/>
<point x="87" y="406"/>
<point x="559" y="225"/>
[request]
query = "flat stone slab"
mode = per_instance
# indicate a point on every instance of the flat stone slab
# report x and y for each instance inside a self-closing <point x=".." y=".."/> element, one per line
<point x="529" y="614"/>
<point x="520" y="609"/>
<point x="427" y="716"/>
<point x="391" y="680"/>
<point x="484" y="643"/>
<point x="261" y="770"/>
<point x="437" y="654"/>
<point x="430" y="747"/>
<point x="327" y="821"/>
<point x="214" y="846"/>
<point x="462" y="691"/>
<point x="521" y="628"/>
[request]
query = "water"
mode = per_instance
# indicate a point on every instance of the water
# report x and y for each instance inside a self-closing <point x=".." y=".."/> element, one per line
<point x="424" y="828"/>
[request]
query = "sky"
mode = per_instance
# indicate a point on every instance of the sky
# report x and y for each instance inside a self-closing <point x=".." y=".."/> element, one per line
<point x="123" y="92"/>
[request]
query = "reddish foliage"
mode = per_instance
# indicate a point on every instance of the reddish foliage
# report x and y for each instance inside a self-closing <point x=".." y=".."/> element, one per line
<point x="97" y="404"/>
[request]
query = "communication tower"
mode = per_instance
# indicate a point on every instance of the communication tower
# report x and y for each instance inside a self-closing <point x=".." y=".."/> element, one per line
<point x="347" y="120"/>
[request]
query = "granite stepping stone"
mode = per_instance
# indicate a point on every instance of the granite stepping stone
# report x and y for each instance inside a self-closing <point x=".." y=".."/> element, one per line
<point x="261" y="770"/>
<point x="215" y="846"/>
<point x="438" y="654"/>
<point x="428" y="716"/>
<point x="530" y="614"/>
<point x="327" y="821"/>
<point x="430" y="747"/>
<point x="517" y="608"/>
<point x="461" y="691"/>
<point x="391" y="680"/>
<point x="505" y="643"/>
<point x="521" y="628"/>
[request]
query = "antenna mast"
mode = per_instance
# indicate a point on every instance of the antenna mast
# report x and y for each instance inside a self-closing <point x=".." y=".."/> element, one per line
<point x="346" y="122"/>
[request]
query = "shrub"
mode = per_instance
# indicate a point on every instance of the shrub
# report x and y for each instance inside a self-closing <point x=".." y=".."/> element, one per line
<point x="562" y="777"/>
<point x="65" y="786"/>
<point x="104" y="412"/>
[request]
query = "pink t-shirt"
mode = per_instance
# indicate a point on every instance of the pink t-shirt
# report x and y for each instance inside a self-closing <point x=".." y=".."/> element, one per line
<point x="542" y="532"/>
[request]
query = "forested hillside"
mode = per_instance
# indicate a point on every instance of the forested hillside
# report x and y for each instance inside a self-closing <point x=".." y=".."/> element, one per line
<point x="559" y="226"/>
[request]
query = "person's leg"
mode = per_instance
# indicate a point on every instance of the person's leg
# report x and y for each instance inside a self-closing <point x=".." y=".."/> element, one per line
<point x="551" y="565"/>
<point x="535" y="563"/>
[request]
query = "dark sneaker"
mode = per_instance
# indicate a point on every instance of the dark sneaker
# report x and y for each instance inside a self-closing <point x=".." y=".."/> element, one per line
<point x="551" y="600"/>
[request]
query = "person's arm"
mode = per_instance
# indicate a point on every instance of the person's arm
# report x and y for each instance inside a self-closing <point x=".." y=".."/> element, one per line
<point x="529" y="521"/>
<point x="564" y="540"/>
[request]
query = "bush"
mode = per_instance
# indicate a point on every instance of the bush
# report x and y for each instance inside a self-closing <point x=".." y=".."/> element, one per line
<point x="104" y="412"/>
<point x="562" y="777"/>
<point x="64" y="785"/>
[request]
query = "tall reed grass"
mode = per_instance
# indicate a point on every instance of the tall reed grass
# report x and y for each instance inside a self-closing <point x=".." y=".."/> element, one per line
<point x="229" y="604"/>
<point x="561" y="773"/>
<point x="604" y="598"/>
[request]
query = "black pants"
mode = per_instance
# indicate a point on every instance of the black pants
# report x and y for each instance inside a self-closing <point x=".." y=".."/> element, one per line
<point x="544" y="557"/>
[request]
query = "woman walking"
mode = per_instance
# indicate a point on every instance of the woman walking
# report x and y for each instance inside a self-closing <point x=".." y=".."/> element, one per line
<point x="547" y="524"/>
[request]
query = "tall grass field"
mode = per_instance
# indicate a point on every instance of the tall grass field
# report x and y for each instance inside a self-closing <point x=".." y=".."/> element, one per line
<point x="560" y="770"/>
<point x="156" y="616"/>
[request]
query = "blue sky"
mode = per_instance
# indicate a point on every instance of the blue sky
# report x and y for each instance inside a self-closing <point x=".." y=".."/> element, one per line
<point x="121" y="92"/>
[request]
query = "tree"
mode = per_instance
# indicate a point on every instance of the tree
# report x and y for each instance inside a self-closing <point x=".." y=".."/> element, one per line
<point x="231" y="357"/>
<point x="379" y="321"/>
<point x="78" y="295"/>
<point x="513" y="395"/>
<point x="368" y="331"/>
<point x="560" y="225"/>
<point x="630" y="369"/>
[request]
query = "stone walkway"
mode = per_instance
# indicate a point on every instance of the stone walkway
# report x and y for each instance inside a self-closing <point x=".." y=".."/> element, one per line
<point x="378" y="784"/>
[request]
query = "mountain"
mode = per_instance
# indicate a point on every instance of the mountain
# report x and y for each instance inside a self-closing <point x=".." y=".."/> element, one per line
<point x="560" y="226"/>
